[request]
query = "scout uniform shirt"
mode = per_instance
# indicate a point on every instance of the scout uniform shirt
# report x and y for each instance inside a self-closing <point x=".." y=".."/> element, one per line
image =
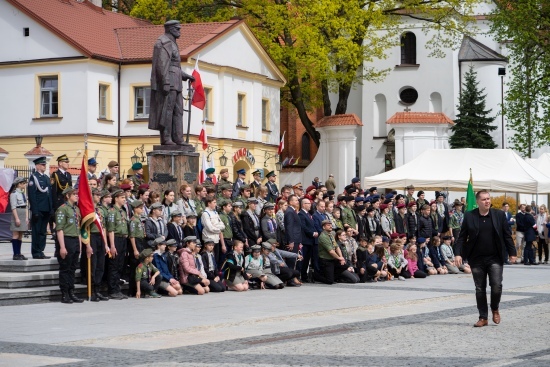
<point x="227" y="232"/>
<point x="348" y="217"/>
<point x="99" y="212"/>
<point x="67" y="219"/>
<point x="117" y="222"/>
<point x="145" y="272"/>
<point x="137" y="229"/>
<point x="199" y="207"/>
<point x="326" y="244"/>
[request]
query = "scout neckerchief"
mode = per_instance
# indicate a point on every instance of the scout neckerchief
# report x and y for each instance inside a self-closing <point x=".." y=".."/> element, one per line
<point x="397" y="260"/>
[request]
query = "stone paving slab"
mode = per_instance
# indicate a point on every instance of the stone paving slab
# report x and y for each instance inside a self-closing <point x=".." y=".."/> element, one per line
<point x="424" y="322"/>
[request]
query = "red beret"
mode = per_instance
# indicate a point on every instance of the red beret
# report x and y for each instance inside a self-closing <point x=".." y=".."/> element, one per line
<point x="143" y="186"/>
<point x="125" y="187"/>
<point x="401" y="206"/>
<point x="311" y="187"/>
<point x="393" y="236"/>
<point x="383" y="206"/>
<point x="412" y="203"/>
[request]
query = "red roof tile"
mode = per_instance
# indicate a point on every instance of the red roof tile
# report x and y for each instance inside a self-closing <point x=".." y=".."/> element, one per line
<point x="39" y="151"/>
<point x="83" y="25"/>
<point x="2" y="150"/>
<point x="420" y="118"/>
<point x="339" y="120"/>
<point x="136" y="44"/>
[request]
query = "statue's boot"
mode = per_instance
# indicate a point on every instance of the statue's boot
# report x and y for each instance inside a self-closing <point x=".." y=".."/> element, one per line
<point x="166" y="136"/>
<point x="177" y="135"/>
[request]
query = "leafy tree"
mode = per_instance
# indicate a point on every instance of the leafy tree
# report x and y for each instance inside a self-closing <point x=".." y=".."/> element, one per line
<point x="524" y="26"/>
<point x="472" y="124"/>
<point x="325" y="46"/>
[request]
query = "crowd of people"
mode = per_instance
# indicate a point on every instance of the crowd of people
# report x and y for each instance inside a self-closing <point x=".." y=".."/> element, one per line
<point x="240" y="236"/>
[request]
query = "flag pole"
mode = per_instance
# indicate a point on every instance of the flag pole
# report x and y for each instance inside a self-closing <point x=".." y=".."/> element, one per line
<point x="89" y="262"/>
<point x="191" y="92"/>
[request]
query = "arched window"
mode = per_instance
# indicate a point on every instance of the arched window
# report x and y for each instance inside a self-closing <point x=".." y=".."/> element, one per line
<point x="436" y="105"/>
<point x="380" y="115"/>
<point x="305" y="147"/>
<point x="408" y="48"/>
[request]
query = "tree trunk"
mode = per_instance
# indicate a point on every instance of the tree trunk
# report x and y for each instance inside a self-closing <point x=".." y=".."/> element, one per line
<point x="327" y="110"/>
<point x="298" y="102"/>
<point x="343" y="95"/>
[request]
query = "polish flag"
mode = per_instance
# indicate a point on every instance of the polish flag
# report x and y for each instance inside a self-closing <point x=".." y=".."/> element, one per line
<point x="202" y="137"/>
<point x="7" y="175"/>
<point x="281" y="145"/>
<point x="199" y="97"/>
<point x="202" y="176"/>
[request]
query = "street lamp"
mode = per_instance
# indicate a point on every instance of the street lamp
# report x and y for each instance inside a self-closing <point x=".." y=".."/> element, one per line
<point x="223" y="158"/>
<point x="502" y="73"/>
<point x="278" y="166"/>
<point x="135" y="158"/>
<point x="268" y="156"/>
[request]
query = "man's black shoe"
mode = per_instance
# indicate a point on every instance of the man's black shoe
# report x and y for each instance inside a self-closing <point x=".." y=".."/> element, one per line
<point x="116" y="296"/>
<point x="65" y="297"/>
<point x="101" y="297"/>
<point x="74" y="297"/>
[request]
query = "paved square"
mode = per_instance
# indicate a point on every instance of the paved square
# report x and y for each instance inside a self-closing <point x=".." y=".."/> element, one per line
<point x="419" y="322"/>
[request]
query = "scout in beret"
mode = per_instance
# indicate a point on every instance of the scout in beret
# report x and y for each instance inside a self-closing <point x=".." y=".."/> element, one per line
<point x="112" y="164"/>
<point x="137" y="166"/>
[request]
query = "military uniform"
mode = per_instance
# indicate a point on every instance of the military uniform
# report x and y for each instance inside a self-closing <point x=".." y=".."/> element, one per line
<point x="60" y="181"/>
<point x="199" y="207"/>
<point x="41" y="206"/>
<point x="137" y="232"/>
<point x="272" y="191"/>
<point x="138" y="181"/>
<point x="348" y="217"/>
<point x="117" y="222"/>
<point x="67" y="219"/>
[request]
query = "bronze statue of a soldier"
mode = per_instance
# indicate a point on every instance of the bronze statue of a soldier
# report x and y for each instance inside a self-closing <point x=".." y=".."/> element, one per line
<point x="166" y="105"/>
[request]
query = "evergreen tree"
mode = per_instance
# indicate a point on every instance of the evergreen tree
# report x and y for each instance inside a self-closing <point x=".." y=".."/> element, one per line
<point x="472" y="124"/>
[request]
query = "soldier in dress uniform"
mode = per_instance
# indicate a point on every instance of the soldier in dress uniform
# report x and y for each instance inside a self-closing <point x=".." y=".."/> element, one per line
<point x="257" y="180"/>
<point x="272" y="190"/>
<point x="117" y="229"/>
<point x="67" y="244"/>
<point x="41" y="206"/>
<point x="224" y="175"/>
<point x="238" y="183"/>
<point x="61" y="179"/>
<point x="137" y="178"/>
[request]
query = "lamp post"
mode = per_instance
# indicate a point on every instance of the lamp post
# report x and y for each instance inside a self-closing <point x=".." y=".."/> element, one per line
<point x="502" y="73"/>
<point x="278" y="164"/>
<point x="223" y="158"/>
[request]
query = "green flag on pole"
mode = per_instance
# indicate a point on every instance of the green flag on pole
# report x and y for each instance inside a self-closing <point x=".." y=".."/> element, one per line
<point x="470" y="195"/>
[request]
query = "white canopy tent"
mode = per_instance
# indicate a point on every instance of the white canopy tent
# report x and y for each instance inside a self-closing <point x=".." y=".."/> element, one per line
<point x="500" y="170"/>
<point x="542" y="163"/>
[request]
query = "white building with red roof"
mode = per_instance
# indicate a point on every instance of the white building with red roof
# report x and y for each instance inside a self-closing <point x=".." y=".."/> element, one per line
<point x="70" y="68"/>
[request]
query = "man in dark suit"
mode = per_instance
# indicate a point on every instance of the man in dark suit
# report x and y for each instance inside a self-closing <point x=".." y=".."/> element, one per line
<point x="485" y="241"/>
<point x="293" y="228"/>
<point x="40" y="200"/>
<point x="310" y="251"/>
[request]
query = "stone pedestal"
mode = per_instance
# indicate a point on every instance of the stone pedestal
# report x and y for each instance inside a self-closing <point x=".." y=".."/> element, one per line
<point x="169" y="169"/>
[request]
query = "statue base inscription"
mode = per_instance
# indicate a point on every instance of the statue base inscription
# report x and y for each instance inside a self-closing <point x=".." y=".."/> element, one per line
<point x="170" y="168"/>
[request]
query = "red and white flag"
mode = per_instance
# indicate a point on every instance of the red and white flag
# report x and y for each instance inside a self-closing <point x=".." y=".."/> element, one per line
<point x="281" y="145"/>
<point x="214" y="178"/>
<point x="203" y="137"/>
<point x="199" y="97"/>
<point x="202" y="175"/>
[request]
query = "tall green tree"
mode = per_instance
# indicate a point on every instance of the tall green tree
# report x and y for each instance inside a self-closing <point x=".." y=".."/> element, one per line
<point x="472" y="124"/>
<point x="524" y="27"/>
<point x="327" y="46"/>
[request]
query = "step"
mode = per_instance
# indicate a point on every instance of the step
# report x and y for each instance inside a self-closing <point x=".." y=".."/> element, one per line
<point x="31" y="265"/>
<point x="25" y="296"/>
<point x="13" y="280"/>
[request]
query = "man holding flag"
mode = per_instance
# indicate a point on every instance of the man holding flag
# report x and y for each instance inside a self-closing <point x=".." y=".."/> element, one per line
<point x="92" y="234"/>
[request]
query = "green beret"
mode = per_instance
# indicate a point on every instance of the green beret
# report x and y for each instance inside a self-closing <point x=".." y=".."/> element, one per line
<point x="210" y="170"/>
<point x="136" y="203"/>
<point x="137" y="166"/>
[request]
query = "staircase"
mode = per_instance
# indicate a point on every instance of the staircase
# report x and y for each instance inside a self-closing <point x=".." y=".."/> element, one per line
<point x="31" y="281"/>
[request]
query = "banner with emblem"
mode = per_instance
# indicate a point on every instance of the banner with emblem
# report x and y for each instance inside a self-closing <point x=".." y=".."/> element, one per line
<point x="86" y="204"/>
